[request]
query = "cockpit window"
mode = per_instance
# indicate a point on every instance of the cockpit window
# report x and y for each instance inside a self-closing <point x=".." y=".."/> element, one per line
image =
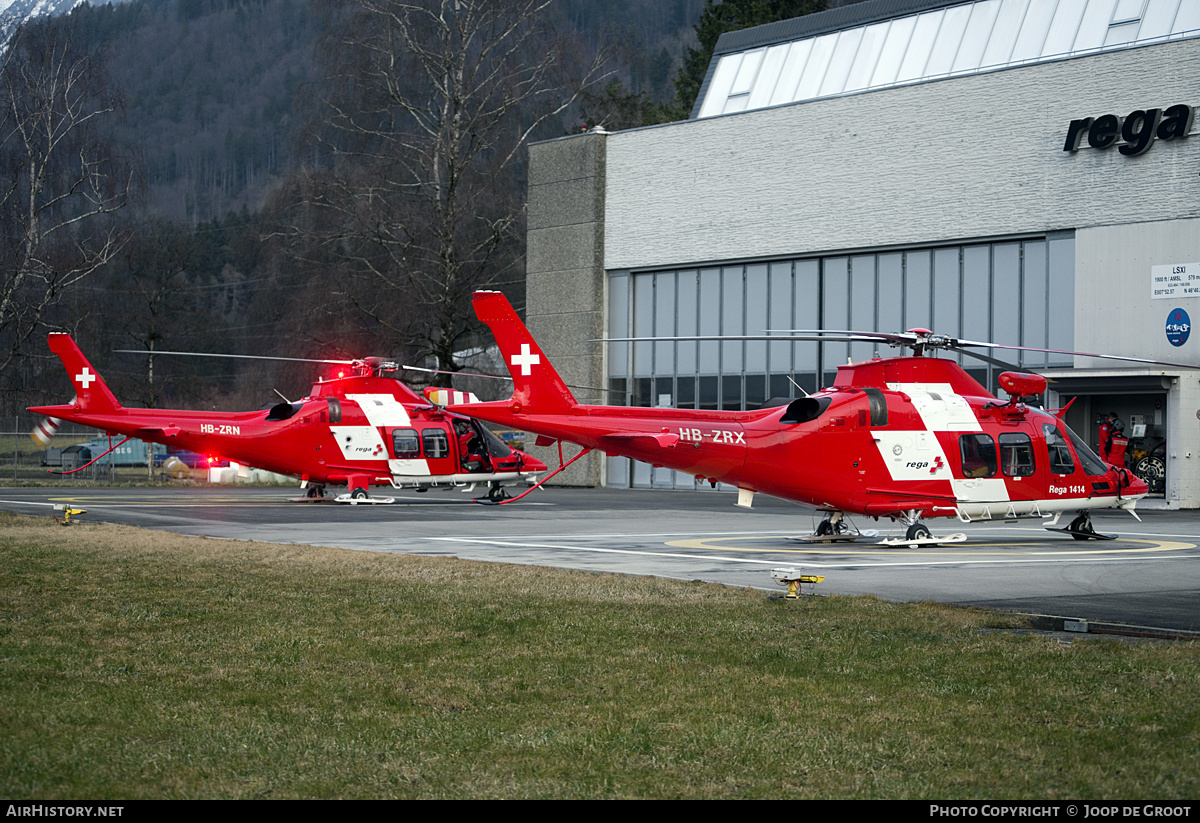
<point x="1061" y="461"/>
<point x="1092" y="464"/>
<point x="496" y="446"/>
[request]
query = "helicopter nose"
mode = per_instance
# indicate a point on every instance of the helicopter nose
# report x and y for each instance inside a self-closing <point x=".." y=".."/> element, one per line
<point x="1130" y="484"/>
<point x="529" y="463"/>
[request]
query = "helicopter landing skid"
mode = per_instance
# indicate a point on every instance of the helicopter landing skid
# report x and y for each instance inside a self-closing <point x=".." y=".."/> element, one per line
<point x="370" y="501"/>
<point x="845" y="537"/>
<point x="1081" y="528"/>
<point x="921" y="542"/>
<point x="1084" y="534"/>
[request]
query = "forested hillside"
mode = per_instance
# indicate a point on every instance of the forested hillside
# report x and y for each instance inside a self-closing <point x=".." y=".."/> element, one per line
<point x="214" y="95"/>
<point x="218" y="94"/>
<point x="298" y="177"/>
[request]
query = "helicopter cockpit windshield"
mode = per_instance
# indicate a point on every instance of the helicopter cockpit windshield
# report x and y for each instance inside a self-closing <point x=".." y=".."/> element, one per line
<point x="1092" y="464"/>
<point x="496" y="446"/>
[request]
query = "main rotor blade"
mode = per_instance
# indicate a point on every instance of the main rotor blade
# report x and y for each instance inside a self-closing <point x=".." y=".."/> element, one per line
<point x="238" y="356"/>
<point x="891" y="338"/>
<point x="848" y="335"/>
<point x="773" y="336"/>
<point x="992" y="360"/>
<point x="495" y="377"/>
<point x="1169" y="363"/>
<point x="461" y="373"/>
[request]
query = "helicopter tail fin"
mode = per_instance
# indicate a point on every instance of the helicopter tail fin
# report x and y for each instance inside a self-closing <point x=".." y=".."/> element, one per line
<point x="91" y="392"/>
<point x="536" y="385"/>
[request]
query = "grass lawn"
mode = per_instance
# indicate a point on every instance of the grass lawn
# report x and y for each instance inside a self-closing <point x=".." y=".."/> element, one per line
<point x="137" y="664"/>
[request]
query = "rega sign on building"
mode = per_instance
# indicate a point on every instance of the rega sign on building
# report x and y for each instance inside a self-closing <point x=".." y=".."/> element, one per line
<point x="1135" y="131"/>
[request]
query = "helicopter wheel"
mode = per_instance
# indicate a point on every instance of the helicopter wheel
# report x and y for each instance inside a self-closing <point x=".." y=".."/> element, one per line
<point x="315" y="492"/>
<point x="359" y="494"/>
<point x="917" y="531"/>
<point x="1153" y="472"/>
<point x="1081" y="527"/>
<point x="833" y="524"/>
<point x="497" y="493"/>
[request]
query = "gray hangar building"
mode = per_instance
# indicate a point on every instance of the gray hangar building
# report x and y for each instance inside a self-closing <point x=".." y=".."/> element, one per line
<point x="1017" y="171"/>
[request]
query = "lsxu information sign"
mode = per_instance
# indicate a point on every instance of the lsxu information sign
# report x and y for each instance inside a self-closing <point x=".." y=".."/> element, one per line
<point x="1134" y="132"/>
<point x="1175" y="280"/>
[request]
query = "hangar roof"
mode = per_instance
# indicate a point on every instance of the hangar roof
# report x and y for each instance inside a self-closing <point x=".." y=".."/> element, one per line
<point x="880" y="43"/>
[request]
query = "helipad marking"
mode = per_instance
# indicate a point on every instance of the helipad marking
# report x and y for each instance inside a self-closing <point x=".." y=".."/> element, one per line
<point x="126" y="503"/>
<point x="706" y="544"/>
<point x="1060" y="558"/>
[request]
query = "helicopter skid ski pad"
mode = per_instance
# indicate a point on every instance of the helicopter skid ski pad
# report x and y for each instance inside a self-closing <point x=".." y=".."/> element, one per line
<point x="848" y="537"/>
<point x="1083" y="535"/>
<point x="354" y="501"/>
<point x="920" y="542"/>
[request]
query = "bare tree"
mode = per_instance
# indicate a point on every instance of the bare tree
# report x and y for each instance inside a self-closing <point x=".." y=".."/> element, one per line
<point x="158" y="302"/>
<point x="429" y="104"/>
<point x="59" y="186"/>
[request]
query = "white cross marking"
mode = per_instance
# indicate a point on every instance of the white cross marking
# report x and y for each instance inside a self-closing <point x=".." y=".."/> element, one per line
<point x="525" y="359"/>
<point x="85" y="378"/>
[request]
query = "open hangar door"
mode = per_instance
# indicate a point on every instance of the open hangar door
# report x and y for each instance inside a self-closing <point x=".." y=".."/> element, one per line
<point x="1140" y="401"/>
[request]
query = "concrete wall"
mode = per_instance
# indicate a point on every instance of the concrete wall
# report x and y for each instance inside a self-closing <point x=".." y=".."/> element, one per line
<point x="1115" y="313"/>
<point x="959" y="158"/>
<point x="565" y="280"/>
<point x="1114" y="310"/>
<point x="1183" y="444"/>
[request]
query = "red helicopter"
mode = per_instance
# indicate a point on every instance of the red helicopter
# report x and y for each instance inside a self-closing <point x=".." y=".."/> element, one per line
<point x="904" y="438"/>
<point x="360" y="429"/>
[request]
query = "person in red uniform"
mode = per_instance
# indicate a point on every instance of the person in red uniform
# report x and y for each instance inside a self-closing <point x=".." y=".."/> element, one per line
<point x="1111" y="427"/>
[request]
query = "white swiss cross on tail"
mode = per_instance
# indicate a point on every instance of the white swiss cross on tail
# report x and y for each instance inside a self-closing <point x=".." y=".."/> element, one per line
<point x="85" y="377"/>
<point x="525" y="360"/>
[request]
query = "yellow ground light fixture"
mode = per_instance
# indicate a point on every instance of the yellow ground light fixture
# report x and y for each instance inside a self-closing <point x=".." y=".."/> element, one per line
<point x="67" y="513"/>
<point x="793" y="579"/>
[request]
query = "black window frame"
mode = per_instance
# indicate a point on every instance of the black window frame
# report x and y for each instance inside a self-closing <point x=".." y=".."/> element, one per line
<point x="1057" y="446"/>
<point x="408" y="454"/>
<point x="982" y="442"/>
<point x="432" y="436"/>
<point x="1015" y="441"/>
